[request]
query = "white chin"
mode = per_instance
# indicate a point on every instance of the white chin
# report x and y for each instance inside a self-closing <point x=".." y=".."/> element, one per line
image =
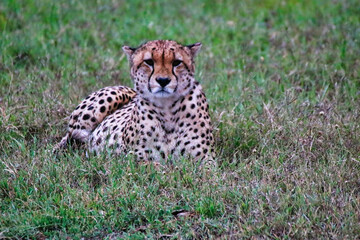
<point x="162" y="93"/>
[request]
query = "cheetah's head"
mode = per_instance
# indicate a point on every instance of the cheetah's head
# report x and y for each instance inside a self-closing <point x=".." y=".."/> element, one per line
<point x="162" y="69"/>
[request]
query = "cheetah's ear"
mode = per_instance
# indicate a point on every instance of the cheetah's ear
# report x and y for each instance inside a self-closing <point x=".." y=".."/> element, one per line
<point x="194" y="48"/>
<point x="128" y="51"/>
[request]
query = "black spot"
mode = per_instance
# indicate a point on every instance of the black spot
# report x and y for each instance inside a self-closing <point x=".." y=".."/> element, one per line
<point x="120" y="105"/>
<point x="205" y="150"/>
<point x="187" y="143"/>
<point x="113" y="93"/>
<point x="86" y="117"/>
<point x="192" y="106"/>
<point x="152" y="111"/>
<point x="109" y="99"/>
<point x="150" y="117"/>
<point x="93" y="119"/>
<point x="173" y="105"/>
<point x="90" y="108"/>
<point x="83" y="106"/>
<point x="103" y="109"/>
<point x="198" y="154"/>
<point x="101" y="94"/>
<point x="101" y="101"/>
<point x="92" y="99"/>
<point x="183" y="108"/>
<point x="188" y="115"/>
<point x="149" y="134"/>
<point x="115" y="136"/>
<point x="202" y="124"/>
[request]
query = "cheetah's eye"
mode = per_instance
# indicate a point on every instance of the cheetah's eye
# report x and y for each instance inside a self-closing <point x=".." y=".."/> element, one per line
<point x="149" y="62"/>
<point x="176" y="63"/>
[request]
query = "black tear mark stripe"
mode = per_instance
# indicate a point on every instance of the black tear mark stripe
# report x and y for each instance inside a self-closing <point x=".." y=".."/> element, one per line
<point x="152" y="71"/>
<point x="174" y="71"/>
<point x="163" y="58"/>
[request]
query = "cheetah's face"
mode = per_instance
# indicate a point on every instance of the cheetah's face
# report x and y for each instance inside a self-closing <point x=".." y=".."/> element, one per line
<point x="162" y="69"/>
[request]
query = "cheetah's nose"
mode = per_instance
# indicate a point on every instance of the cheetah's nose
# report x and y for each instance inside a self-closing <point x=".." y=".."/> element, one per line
<point x="163" y="81"/>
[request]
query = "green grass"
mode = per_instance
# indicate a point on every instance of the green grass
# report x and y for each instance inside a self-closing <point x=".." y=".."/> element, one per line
<point x="283" y="82"/>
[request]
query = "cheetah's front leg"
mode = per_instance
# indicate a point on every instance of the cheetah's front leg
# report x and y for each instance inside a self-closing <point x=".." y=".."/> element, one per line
<point x="92" y="110"/>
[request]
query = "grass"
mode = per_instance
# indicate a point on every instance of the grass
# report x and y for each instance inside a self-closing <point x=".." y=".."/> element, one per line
<point x="283" y="82"/>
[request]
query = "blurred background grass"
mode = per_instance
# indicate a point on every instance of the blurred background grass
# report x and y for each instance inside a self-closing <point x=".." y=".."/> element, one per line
<point x="282" y="80"/>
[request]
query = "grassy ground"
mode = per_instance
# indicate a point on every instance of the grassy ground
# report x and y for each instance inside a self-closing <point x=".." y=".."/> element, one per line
<point x="283" y="82"/>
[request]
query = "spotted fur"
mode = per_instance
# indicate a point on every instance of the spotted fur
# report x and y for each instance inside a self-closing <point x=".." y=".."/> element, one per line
<point x="166" y="115"/>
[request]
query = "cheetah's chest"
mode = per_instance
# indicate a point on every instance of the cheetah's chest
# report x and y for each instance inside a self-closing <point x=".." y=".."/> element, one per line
<point x="158" y="133"/>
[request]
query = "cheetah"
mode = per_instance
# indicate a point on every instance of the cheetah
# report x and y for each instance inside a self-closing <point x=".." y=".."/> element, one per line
<point x="165" y="115"/>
